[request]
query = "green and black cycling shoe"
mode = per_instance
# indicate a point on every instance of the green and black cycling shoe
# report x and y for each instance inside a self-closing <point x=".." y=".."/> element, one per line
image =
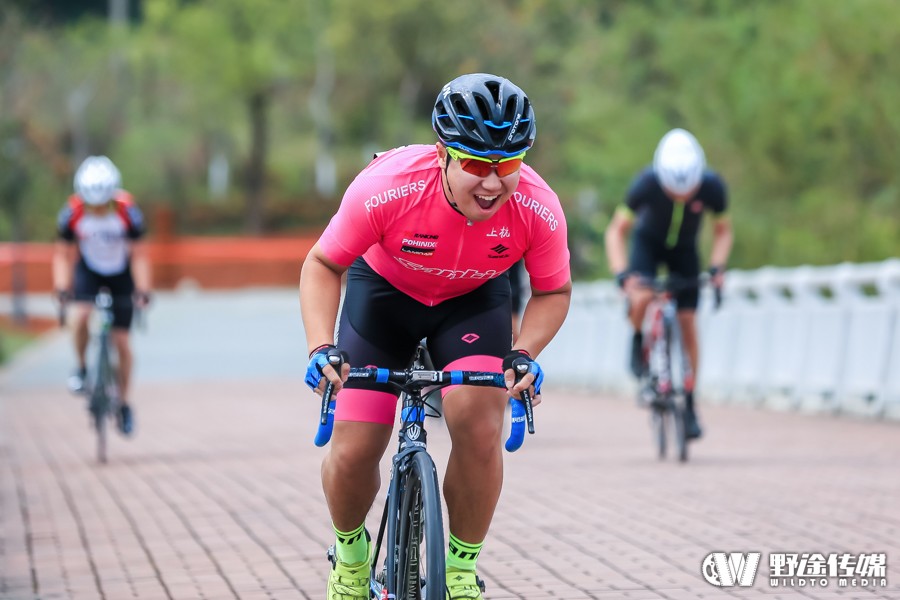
<point x="349" y="581"/>
<point x="463" y="585"/>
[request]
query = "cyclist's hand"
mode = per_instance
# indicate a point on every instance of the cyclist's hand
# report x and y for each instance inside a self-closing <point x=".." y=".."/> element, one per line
<point x="717" y="276"/>
<point x="532" y="379"/>
<point x="318" y="371"/>
<point x="62" y="298"/>
<point x="628" y="282"/>
<point x="141" y="299"/>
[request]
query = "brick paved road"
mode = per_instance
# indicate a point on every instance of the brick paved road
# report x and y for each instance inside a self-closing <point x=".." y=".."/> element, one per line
<point x="218" y="495"/>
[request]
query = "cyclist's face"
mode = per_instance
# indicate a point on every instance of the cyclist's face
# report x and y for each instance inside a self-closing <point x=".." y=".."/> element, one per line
<point x="97" y="209"/>
<point x="477" y="198"/>
<point x="682" y="198"/>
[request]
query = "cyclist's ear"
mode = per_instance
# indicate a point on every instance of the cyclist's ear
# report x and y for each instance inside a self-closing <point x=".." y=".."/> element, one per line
<point x="443" y="157"/>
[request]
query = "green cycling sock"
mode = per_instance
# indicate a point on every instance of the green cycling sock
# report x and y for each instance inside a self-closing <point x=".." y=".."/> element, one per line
<point x="463" y="555"/>
<point x="352" y="547"/>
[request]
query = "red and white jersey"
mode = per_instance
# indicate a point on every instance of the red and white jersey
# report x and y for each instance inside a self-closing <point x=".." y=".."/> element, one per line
<point x="103" y="239"/>
<point x="396" y="216"/>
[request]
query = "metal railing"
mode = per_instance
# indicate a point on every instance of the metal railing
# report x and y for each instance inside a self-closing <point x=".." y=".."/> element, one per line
<point x="819" y="339"/>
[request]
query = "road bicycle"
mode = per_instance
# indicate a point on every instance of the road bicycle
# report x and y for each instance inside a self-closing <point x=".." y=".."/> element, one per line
<point x="101" y="381"/>
<point x="412" y="529"/>
<point x="659" y="388"/>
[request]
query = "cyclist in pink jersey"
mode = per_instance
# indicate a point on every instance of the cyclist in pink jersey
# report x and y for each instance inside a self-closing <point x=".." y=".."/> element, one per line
<point x="426" y="235"/>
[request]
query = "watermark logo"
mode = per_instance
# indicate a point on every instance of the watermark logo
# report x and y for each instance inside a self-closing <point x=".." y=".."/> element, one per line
<point x="798" y="569"/>
<point x="730" y="569"/>
<point x="813" y="569"/>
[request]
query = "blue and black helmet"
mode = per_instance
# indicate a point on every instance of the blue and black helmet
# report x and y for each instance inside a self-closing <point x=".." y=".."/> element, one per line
<point x="484" y="114"/>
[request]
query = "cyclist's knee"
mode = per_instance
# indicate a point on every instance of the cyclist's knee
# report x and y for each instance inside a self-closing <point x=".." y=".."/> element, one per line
<point x="687" y="318"/>
<point x="122" y="341"/>
<point x="81" y="315"/>
<point x="475" y="416"/>
<point x="358" y="443"/>
<point x="637" y="306"/>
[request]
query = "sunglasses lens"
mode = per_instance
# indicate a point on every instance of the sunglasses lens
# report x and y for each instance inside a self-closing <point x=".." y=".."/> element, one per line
<point x="478" y="168"/>
<point x="509" y="167"/>
<point x="481" y="168"/>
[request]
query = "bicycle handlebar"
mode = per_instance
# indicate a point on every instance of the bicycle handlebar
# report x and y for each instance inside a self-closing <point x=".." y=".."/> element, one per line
<point x="104" y="301"/>
<point x="415" y="380"/>
<point x="676" y="283"/>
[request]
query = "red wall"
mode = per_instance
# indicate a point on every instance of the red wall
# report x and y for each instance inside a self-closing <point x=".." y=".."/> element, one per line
<point x="214" y="263"/>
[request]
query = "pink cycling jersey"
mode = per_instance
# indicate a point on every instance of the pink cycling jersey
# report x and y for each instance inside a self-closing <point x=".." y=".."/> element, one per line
<point x="396" y="216"/>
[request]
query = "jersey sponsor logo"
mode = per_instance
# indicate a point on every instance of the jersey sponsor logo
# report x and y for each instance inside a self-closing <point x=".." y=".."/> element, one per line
<point x="500" y="251"/>
<point x="448" y="273"/>
<point x="543" y="213"/>
<point x="470" y="338"/>
<point x="382" y="198"/>
<point x="423" y="244"/>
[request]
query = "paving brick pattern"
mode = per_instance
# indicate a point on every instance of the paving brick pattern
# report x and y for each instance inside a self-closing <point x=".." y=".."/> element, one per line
<point x="218" y="497"/>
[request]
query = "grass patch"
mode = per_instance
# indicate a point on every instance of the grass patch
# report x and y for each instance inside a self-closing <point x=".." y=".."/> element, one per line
<point x="15" y="336"/>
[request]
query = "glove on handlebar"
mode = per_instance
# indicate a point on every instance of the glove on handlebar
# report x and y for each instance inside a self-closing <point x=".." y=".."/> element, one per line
<point x="317" y="361"/>
<point x="533" y="367"/>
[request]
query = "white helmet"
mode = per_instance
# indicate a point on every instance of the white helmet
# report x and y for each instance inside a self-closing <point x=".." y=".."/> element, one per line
<point x="679" y="162"/>
<point x="97" y="180"/>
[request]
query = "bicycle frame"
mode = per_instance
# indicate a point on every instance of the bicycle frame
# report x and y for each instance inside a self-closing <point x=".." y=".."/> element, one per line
<point x="659" y="390"/>
<point x="412" y="439"/>
<point x="102" y="382"/>
<point x="412" y="511"/>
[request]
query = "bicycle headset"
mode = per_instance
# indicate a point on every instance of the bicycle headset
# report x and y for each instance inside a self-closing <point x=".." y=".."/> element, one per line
<point x="679" y="162"/>
<point x="484" y="114"/>
<point x="97" y="180"/>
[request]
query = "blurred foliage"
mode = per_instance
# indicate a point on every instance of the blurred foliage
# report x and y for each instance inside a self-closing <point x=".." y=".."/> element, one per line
<point x="792" y="101"/>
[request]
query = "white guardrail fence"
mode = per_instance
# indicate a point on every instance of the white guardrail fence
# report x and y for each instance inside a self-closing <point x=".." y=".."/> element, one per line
<point x="814" y="339"/>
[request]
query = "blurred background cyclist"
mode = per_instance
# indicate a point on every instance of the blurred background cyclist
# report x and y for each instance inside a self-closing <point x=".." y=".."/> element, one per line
<point x="665" y="204"/>
<point x="99" y="229"/>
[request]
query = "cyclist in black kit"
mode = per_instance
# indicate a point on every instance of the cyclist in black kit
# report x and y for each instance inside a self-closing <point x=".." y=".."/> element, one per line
<point x="665" y="204"/>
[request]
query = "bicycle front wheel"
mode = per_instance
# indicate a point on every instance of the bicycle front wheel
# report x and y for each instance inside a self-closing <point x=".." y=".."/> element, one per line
<point x="658" y="415"/>
<point x="680" y="432"/>
<point x="100" y="415"/>
<point x="421" y="569"/>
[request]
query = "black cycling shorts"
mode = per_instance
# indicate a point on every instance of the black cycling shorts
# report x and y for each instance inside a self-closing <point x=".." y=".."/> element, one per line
<point x="120" y="286"/>
<point x="647" y="256"/>
<point x="381" y="326"/>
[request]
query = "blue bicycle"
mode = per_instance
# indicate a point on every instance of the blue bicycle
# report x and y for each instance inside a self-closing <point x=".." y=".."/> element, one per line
<point x="412" y="529"/>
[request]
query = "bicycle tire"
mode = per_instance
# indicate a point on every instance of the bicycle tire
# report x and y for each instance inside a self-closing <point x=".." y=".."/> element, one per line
<point x="658" y="421"/>
<point x="420" y="524"/>
<point x="679" y="431"/>
<point x="100" y="415"/>
<point x="103" y="397"/>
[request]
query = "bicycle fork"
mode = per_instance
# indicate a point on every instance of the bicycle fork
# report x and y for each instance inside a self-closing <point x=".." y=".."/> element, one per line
<point x="661" y="333"/>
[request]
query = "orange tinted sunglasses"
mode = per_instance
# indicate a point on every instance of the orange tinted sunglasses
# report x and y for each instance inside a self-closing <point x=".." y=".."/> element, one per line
<point x="482" y="167"/>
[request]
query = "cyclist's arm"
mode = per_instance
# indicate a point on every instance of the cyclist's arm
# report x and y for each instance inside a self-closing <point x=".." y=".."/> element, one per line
<point x="63" y="259"/>
<point x="616" y="238"/>
<point x="723" y="237"/>
<point x="544" y="314"/>
<point x="320" y="297"/>
<point x="140" y="267"/>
